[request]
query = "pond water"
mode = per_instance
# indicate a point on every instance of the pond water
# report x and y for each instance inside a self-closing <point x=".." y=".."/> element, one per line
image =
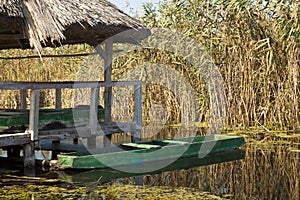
<point x="267" y="167"/>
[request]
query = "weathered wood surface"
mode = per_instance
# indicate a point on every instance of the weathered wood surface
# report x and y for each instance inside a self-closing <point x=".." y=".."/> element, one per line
<point x="66" y="133"/>
<point x="66" y="84"/>
<point x="85" y="132"/>
<point x="14" y="139"/>
<point x="108" y="90"/>
<point x="136" y="135"/>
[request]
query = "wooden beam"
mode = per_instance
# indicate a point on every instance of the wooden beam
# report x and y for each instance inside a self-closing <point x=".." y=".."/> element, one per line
<point x="108" y="80"/>
<point x="47" y="56"/>
<point x="12" y="36"/>
<point x="101" y="52"/>
<point x="66" y="133"/>
<point x="67" y="84"/>
<point x="84" y="132"/>
<point x="14" y="139"/>
<point x="22" y="44"/>
<point x="108" y="89"/>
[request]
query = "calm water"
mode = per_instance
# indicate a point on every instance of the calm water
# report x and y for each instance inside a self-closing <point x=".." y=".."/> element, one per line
<point x="268" y="167"/>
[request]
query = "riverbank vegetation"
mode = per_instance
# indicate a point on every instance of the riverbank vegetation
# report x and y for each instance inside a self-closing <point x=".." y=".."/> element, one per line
<point x="254" y="44"/>
<point x="106" y="191"/>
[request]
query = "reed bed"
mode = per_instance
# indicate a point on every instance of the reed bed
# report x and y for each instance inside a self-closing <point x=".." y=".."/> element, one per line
<point x="254" y="43"/>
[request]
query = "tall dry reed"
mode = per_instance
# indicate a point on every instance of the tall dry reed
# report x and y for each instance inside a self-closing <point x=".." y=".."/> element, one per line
<point x="253" y="43"/>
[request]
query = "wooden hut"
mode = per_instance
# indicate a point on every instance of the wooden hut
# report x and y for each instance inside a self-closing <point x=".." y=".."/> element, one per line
<point x="50" y="23"/>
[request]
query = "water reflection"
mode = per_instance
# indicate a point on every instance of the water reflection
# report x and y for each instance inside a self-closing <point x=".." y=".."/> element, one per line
<point x="268" y="168"/>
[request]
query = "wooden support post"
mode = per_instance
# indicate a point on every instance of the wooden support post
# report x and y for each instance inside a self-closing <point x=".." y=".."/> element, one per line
<point x="29" y="156"/>
<point x="23" y="104"/>
<point x="13" y="152"/>
<point x="58" y="103"/>
<point x="93" y="117"/>
<point x="136" y="135"/>
<point x="108" y="90"/>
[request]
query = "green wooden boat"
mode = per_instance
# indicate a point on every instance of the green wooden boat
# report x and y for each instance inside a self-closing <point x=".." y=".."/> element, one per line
<point x="68" y="116"/>
<point x="108" y="174"/>
<point x="128" y="154"/>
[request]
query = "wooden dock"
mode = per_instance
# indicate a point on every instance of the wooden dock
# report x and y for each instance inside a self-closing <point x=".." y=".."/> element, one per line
<point x="33" y="136"/>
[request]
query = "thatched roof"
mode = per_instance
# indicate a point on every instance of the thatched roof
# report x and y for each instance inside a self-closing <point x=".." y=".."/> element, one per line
<point x="37" y="23"/>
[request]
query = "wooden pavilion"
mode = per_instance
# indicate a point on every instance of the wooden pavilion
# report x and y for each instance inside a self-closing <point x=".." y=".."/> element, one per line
<point x="51" y="23"/>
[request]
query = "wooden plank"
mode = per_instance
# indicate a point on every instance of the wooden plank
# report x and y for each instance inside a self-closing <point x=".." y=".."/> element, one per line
<point x="16" y="36"/>
<point x="172" y="142"/>
<point x="84" y="132"/>
<point x="14" y="139"/>
<point x="67" y="84"/>
<point x="141" y="146"/>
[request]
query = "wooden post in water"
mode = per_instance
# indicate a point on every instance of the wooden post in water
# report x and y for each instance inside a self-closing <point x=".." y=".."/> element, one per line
<point x="93" y="117"/>
<point x="108" y="90"/>
<point x="29" y="155"/>
<point x="136" y="135"/>
<point x="58" y="105"/>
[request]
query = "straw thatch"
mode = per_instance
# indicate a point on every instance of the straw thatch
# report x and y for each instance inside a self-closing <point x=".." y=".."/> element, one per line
<point x="37" y="23"/>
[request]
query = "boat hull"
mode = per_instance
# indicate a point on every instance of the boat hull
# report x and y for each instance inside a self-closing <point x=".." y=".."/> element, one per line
<point x="163" y="150"/>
